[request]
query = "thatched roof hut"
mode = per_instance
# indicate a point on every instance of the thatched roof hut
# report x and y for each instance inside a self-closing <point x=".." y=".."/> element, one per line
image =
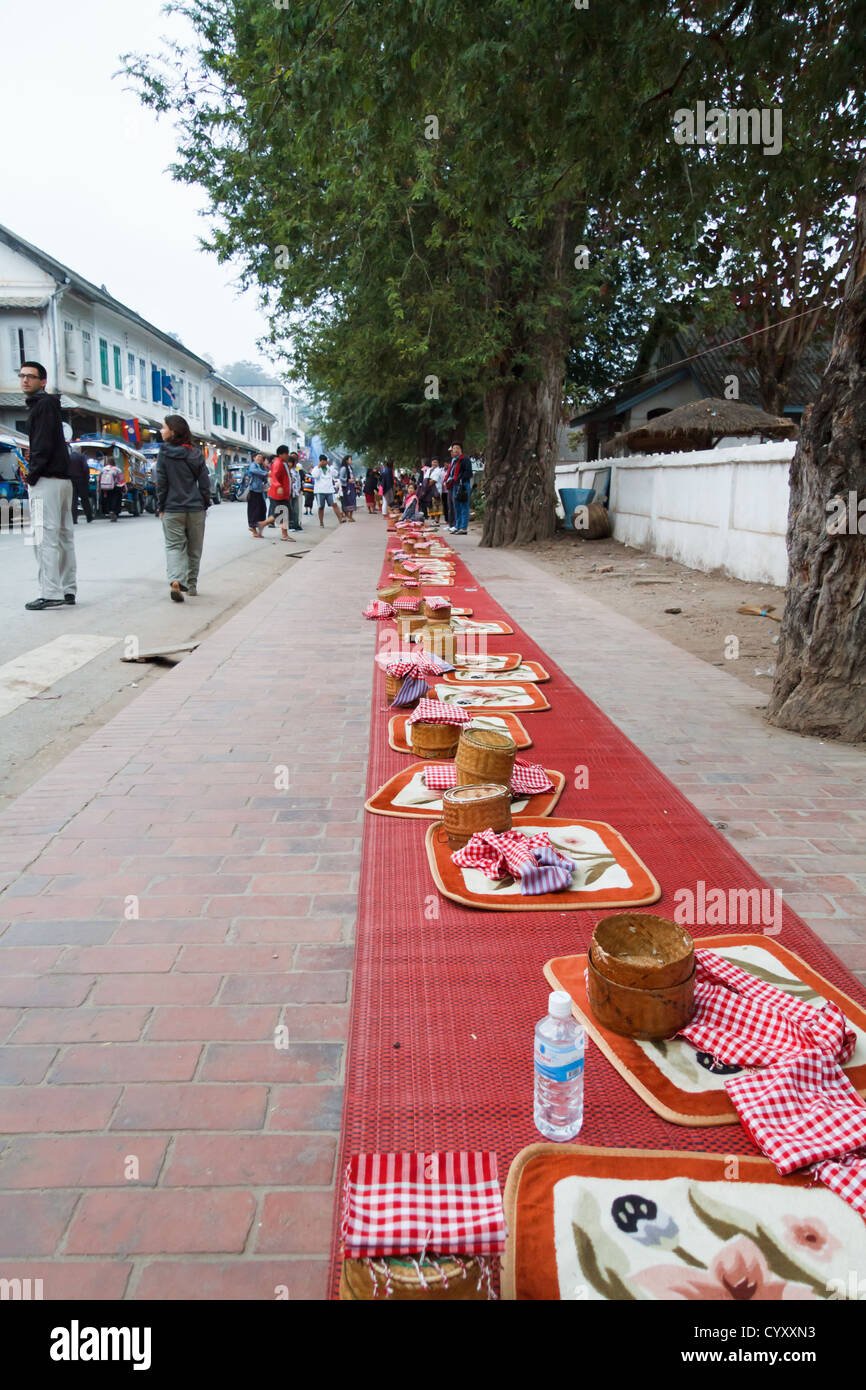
<point x="700" y="424"/>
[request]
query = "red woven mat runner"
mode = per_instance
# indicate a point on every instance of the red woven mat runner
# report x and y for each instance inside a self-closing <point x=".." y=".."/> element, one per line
<point x="445" y="998"/>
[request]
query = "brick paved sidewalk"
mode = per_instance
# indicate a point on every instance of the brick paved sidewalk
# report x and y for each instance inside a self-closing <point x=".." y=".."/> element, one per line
<point x="180" y="887"/>
<point x="794" y="807"/>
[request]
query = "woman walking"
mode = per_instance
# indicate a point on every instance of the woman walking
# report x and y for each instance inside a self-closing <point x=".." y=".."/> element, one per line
<point x="371" y="483"/>
<point x="255" y="478"/>
<point x="183" y="497"/>
<point x="307" y="490"/>
<point x="349" y="486"/>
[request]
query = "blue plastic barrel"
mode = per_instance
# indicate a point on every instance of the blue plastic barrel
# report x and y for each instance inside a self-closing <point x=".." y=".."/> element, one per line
<point x="573" y="497"/>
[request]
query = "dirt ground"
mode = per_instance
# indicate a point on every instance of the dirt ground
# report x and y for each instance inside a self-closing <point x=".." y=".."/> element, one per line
<point x="706" y="618"/>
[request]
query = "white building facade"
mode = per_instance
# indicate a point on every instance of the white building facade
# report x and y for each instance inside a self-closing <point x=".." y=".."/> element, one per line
<point x="109" y="365"/>
<point x="284" y="404"/>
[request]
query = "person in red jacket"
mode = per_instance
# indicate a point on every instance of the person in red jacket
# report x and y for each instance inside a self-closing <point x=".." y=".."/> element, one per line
<point x="279" y="496"/>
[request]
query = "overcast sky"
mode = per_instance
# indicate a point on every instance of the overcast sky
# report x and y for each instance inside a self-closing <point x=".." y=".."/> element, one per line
<point x="82" y="172"/>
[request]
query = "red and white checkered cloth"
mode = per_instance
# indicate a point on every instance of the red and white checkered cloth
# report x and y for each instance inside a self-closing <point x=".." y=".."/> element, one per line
<point x="437" y="712"/>
<point x="418" y="663"/>
<point x="526" y="780"/>
<point x="378" y="609"/>
<point x="801" y="1111"/>
<point x="437" y="601"/>
<point x="529" y="858"/>
<point x="497" y="855"/>
<point x="800" y="1108"/>
<point x="422" y="1203"/>
<point x="740" y="1019"/>
<point x="407" y="604"/>
<point x="847" y="1179"/>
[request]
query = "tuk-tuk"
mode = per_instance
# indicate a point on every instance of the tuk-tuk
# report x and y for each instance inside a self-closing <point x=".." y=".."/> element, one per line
<point x="101" y="449"/>
<point x="13" y="470"/>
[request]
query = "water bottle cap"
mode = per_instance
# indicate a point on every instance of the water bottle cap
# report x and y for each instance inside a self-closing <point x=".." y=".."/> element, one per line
<point x="559" y="1004"/>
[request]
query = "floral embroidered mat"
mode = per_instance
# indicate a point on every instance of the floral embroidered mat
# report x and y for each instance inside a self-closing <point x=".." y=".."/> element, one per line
<point x="591" y="1225"/>
<point x="407" y="794"/>
<point x="607" y="872"/>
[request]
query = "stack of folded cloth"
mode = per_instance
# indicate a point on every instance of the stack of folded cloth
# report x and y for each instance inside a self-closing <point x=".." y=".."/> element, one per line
<point x="527" y="779"/>
<point x="800" y="1108"/>
<point x="437" y="1217"/>
<point x="530" y="859"/>
<point x="437" y="601"/>
<point x="407" y="604"/>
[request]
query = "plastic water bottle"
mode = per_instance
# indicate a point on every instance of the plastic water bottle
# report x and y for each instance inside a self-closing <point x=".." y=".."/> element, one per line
<point x="559" y="1052"/>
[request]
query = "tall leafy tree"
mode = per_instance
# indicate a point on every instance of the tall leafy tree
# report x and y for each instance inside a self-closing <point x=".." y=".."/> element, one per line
<point x="440" y="157"/>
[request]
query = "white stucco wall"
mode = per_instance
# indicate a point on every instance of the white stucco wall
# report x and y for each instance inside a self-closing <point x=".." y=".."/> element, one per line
<point x="713" y="509"/>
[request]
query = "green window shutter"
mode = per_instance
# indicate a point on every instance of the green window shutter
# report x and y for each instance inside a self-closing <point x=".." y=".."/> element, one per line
<point x="103" y="362"/>
<point x="118" y="370"/>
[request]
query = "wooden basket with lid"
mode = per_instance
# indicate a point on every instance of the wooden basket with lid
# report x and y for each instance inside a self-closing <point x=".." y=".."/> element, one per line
<point x="641" y="975"/>
<point x="485" y="755"/>
<point x="466" y="809"/>
<point x="437" y="615"/>
<point x="433" y="740"/>
<point x="392" y="690"/>
<point x="436" y="1278"/>
<point x="439" y="639"/>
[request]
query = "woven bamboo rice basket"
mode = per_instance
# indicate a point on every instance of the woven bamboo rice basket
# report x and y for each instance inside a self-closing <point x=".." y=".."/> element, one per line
<point x="485" y="755"/>
<point x="407" y="623"/>
<point x="439" y="639"/>
<point x="392" y="690"/>
<point x="470" y="808"/>
<point x="389" y="592"/>
<point x="437" y="615"/>
<point x="438" y="1278"/>
<point x="434" y="740"/>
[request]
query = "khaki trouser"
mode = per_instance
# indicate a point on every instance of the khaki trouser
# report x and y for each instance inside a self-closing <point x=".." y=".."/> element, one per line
<point x="184" y="538"/>
<point x="53" y="536"/>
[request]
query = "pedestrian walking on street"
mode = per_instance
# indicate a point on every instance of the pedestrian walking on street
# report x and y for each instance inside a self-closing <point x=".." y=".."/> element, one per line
<point x="349" y="486"/>
<point x="50" y="491"/>
<point x="460" y="489"/>
<point x="110" y="489"/>
<point x="388" y="486"/>
<point x="448" y="484"/>
<point x="254" y="481"/>
<point x="307" y="490"/>
<point x="295" y="494"/>
<point x="183" y="497"/>
<point x="371" y="484"/>
<point x="323" y="487"/>
<point x="279" y="494"/>
<point x="79" y="473"/>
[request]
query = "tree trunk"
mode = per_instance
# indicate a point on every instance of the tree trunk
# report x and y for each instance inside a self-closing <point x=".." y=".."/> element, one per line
<point x="820" y="685"/>
<point x="523" y="422"/>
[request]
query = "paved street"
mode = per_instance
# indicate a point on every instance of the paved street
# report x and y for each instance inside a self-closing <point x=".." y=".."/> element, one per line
<point x="122" y="593"/>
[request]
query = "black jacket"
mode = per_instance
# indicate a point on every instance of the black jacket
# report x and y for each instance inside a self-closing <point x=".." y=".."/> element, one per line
<point x="49" y="453"/>
<point x="79" y="469"/>
<point x="182" y="479"/>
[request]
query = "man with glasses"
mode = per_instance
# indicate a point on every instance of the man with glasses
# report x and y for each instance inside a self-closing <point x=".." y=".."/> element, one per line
<point x="50" y="490"/>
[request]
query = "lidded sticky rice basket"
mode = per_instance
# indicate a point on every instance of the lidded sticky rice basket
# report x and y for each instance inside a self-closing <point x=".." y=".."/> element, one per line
<point x="433" y="740"/>
<point x="641" y="975"/>
<point x="485" y="755"/>
<point x="439" y="639"/>
<point x="393" y="685"/>
<point x="439" y="614"/>
<point x="436" y="1278"/>
<point x="466" y="809"/>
